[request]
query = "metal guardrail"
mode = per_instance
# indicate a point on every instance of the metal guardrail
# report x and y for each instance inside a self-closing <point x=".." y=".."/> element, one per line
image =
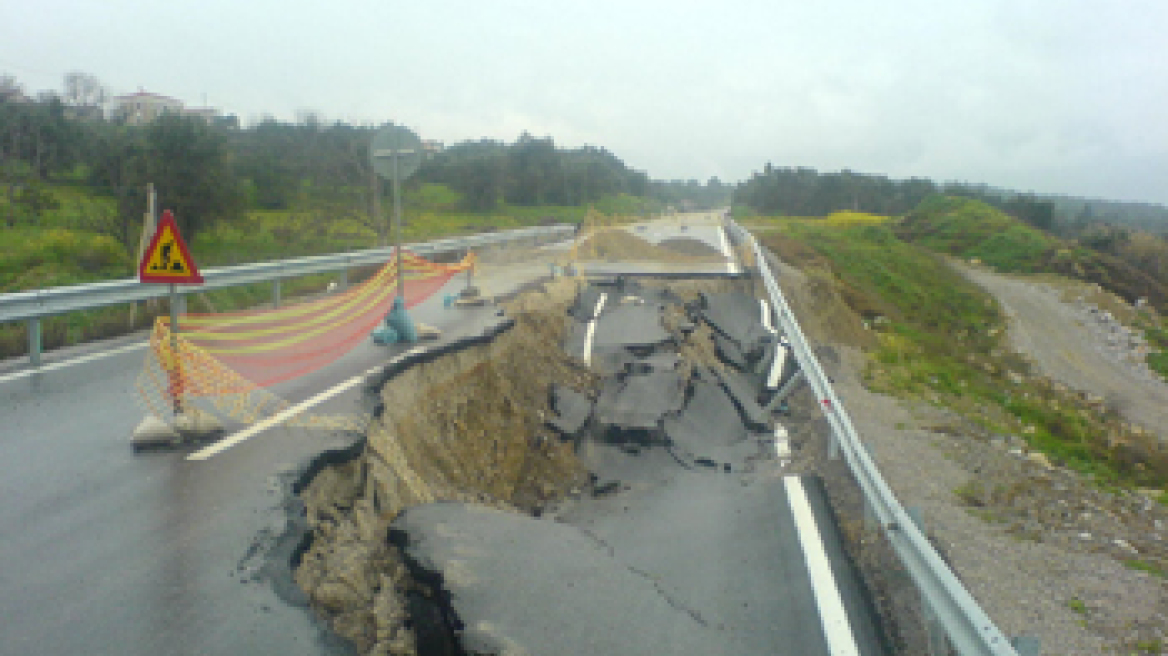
<point x="33" y="306"/>
<point x="970" y="630"/>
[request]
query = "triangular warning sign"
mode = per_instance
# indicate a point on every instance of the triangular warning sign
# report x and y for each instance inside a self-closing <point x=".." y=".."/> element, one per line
<point x="167" y="259"/>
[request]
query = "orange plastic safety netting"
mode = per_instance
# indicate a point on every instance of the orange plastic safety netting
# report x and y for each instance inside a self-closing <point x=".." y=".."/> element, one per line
<point x="227" y="361"/>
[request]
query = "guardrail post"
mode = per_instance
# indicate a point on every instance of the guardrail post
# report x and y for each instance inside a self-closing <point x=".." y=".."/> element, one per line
<point x="871" y="522"/>
<point x="276" y="293"/>
<point x="785" y="390"/>
<point x="934" y="631"/>
<point x="344" y="279"/>
<point x="34" y="342"/>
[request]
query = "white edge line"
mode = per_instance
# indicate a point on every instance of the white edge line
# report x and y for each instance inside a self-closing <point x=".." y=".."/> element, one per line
<point x="731" y="267"/>
<point x="836" y="627"/>
<point x="590" y="333"/>
<point x="766" y="316"/>
<point x="777" y="363"/>
<point x="782" y="442"/>
<point x="68" y="363"/>
<point x="285" y="415"/>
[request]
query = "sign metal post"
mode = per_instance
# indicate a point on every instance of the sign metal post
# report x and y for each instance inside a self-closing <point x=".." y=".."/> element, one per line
<point x="167" y="260"/>
<point x="396" y="153"/>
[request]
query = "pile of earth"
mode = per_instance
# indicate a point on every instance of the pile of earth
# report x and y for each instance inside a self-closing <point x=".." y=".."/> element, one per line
<point x="689" y="246"/>
<point x="618" y="245"/>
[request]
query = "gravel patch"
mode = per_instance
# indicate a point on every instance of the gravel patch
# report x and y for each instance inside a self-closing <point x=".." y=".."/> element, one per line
<point x="1079" y="345"/>
<point x="1045" y="553"/>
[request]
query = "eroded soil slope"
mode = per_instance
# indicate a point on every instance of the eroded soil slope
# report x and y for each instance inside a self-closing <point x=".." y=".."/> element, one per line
<point x="468" y="427"/>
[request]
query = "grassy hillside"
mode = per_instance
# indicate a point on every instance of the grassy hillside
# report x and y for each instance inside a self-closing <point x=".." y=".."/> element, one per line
<point x="38" y="257"/>
<point x="973" y="230"/>
<point x="940" y="339"/>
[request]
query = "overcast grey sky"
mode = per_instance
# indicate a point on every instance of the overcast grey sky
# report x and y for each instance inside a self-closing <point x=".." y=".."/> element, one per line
<point x="1058" y="96"/>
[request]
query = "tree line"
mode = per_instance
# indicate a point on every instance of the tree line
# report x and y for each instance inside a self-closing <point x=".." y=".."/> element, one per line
<point x="531" y="171"/>
<point x="801" y="191"/>
<point x="215" y="171"/>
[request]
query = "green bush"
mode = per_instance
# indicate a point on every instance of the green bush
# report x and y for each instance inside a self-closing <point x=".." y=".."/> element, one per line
<point x="1158" y="361"/>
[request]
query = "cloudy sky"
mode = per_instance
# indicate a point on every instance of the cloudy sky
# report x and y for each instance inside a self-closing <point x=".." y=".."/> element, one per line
<point x="1058" y="96"/>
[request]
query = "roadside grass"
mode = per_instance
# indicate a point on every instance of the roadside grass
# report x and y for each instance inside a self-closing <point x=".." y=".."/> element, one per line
<point x="54" y="248"/>
<point x="1145" y="566"/>
<point x="848" y="218"/>
<point x="1156" y="334"/>
<point x="33" y="258"/>
<point x="1158" y="361"/>
<point x="940" y="339"/>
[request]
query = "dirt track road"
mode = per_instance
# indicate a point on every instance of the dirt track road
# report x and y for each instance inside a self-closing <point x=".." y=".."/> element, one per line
<point x="1051" y="331"/>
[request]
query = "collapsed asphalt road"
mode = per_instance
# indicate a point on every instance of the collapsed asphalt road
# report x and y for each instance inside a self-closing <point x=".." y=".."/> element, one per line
<point x="687" y="538"/>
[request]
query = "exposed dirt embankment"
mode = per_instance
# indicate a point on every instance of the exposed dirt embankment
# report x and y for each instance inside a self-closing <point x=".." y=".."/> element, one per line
<point x="468" y="426"/>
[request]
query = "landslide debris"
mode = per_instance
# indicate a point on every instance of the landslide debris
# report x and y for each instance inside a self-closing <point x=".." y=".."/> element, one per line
<point x="674" y="549"/>
<point x="474" y="431"/>
<point x="470" y="427"/>
<point x="617" y="245"/>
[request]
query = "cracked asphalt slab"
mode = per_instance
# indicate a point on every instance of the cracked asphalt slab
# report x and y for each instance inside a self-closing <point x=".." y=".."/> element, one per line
<point x="689" y="541"/>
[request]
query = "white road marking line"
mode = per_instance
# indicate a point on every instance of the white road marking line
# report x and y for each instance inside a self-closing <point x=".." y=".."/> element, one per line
<point x="68" y="363"/>
<point x="590" y="333"/>
<point x="777" y="363"/>
<point x="285" y="415"/>
<point x="780" y="358"/>
<point x="731" y="267"/>
<point x="766" y="316"/>
<point x="782" y="442"/>
<point x="836" y="627"/>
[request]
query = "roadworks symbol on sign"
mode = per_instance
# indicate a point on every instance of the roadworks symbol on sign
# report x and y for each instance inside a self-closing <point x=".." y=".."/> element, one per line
<point x="167" y="259"/>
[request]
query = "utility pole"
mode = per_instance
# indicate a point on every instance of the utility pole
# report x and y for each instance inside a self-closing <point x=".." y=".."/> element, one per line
<point x="378" y="224"/>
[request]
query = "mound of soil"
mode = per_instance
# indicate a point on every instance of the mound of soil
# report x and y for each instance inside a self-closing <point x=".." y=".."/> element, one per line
<point x="689" y="246"/>
<point x="620" y="245"/>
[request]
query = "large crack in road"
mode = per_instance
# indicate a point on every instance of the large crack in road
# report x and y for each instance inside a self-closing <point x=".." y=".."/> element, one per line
<point x="511" y="499"/>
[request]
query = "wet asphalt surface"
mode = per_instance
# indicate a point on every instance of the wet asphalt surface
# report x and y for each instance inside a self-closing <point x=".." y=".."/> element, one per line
<point x="104" y="551"/>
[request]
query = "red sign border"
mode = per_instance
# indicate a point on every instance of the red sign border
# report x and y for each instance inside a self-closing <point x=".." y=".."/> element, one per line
<point x="193" y="278"/>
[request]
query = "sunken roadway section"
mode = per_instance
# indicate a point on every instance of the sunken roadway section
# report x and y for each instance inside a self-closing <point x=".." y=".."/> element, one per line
<point x="606" y="475"/>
